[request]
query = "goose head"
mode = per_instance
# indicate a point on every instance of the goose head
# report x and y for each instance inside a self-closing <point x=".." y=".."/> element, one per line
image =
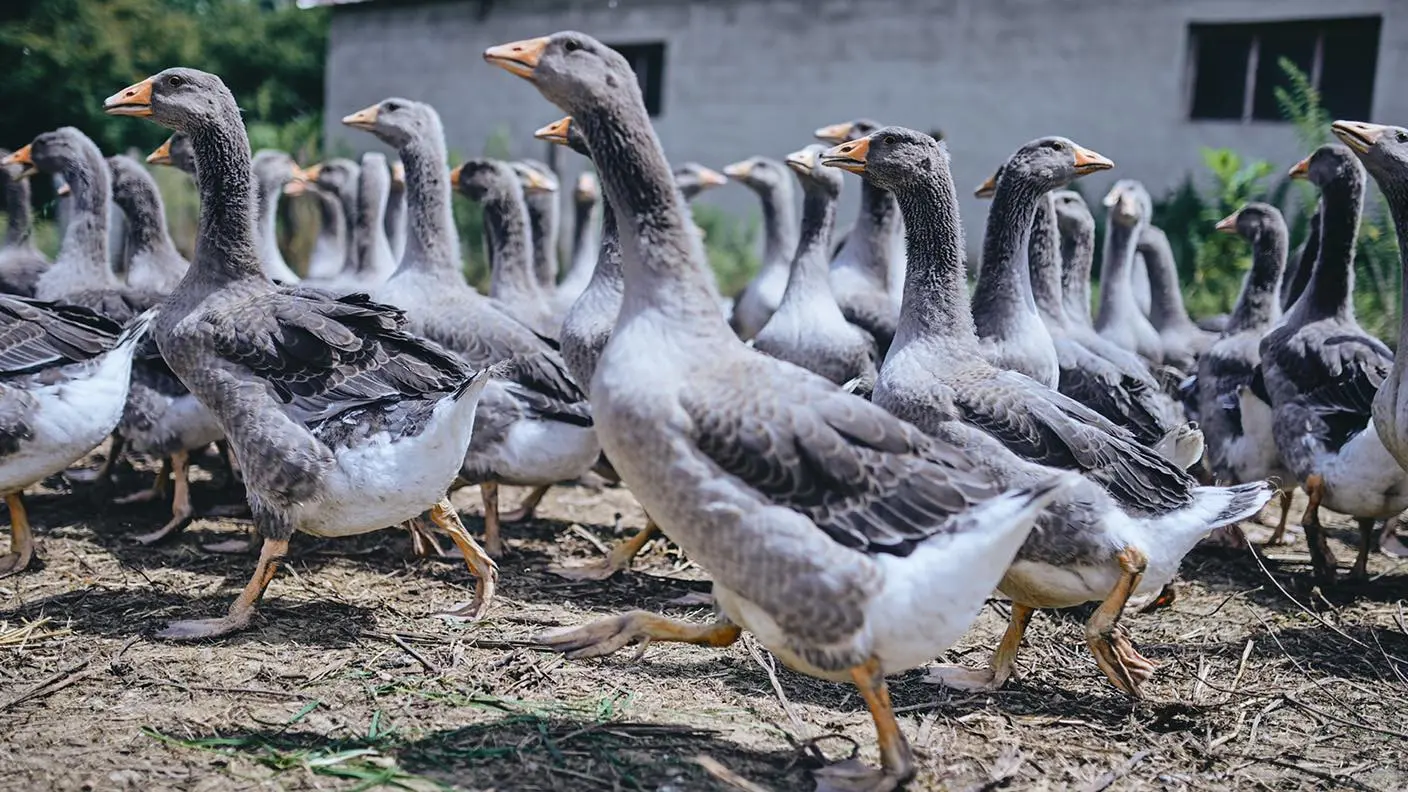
<point x="890" y="157"/>
<point x="1129" y="203"/>
<point x="394" y="120"/>
<point x="180" y="98"/>
<point x="806" y="163"/>
<point x="760" y="174"/>
<point x="536" y="177"/>
<point x="1252" y="221"/>
<point x="1332" y="163"/>
<point x="693" y="179"/>
<point x="54" y="152"/>
<point x="1382" y="149"/>
<point x="846" y="131"/>
<point x="478" y="179"/>
<point x="1072" y="214"/>
<point x="563" y="132"/>
<point x="572" y="70"/>
<point x="273" y="169"/>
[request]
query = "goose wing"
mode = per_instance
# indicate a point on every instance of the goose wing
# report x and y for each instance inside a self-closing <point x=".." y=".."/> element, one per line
<point x="35" y="335"/>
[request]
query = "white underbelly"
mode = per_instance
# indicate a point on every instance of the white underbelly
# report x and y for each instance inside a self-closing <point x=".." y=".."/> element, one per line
<point x="545" y="452"/>
<point x="72" y="418"/>
<point x="1363" y="479"/>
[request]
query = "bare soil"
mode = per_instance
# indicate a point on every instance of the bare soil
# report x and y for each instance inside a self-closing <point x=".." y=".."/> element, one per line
<point x="348" y="681"/>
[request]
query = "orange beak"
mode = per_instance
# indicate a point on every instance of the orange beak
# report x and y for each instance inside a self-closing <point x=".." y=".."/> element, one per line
<point x="1301" y="170"/>
<point x="848" y="156"/>
<point x="22" y="157"/>
<point x="802" y="161"/>
<point x="556" y="132"/>
<point x="134" y="100"/>
<point x="1358" y="135"/>
<point x="162" y="155"/>
<point x="1088" y="161"/>
<point x="455" y="175"/>
<point x="518" y="57"/>
<point x="709" y="177"/>
<point x="738" y="170"/>
<point x="1228" y="224"/>
<point x="364" y="118"/>
<point x="988" y="188"/>
<point x="312" y="172"/>
<point x="835" y="134"/>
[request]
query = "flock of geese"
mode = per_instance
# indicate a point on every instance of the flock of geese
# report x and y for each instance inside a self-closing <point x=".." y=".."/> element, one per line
<point x="856" y="450"/>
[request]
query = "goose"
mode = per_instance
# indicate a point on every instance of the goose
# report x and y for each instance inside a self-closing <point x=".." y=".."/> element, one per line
<point x="1180" y="339"/>
<point x="586" y="237"/>
<point x="787" y="489"/>
<point x="21" y="263"/>
<point x="371" y="249"/>
<point x="540" y="194"/>
<point x="1010" y="328"/>
<point x="63" y="380"/>
<point x="343" y="422"/>
<point x="1124" y="527"/>
<point x="155" y="265"/>
<point x="339" y="177"/>
<point x="330" y="246"/>
<point x="1125" y="394"/>
<point x="272" y="170"/>
<point x="769" y="180"/>
<point x="867" y="273"/>
<point x="1236" y="421"/>
<point x="808" y="329"/>
<point x="693" y="179"/>
<point x="512" y="279"/>
<point x="174" y="152"/>
<point x="534" y="426"/>
<point x="1320" y="371"/>
<point x="1383" y="150"/>
<point x="395" y="221"/>
<point x="1120" y="320"/>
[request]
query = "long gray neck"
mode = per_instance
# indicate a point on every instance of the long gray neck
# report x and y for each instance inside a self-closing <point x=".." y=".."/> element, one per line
<point x="1044" y="260"/>
<point x="810" y="275"/>
<point x="394" y="224"/>
<point x="268" y="210"/>
<point x="370" y="231"/>
<point x="1116" y="292"/>
<point x="1260" y="302"/>
<point x="779" y="225"/>
<point x="662" y="259"/>
<point x="225" y="246"/>
<point x="146" y="221"/>
<point x="935" y="290"/>
<point x="82" y="260"/>
<point x="607" y="276"/>
<point x="19" y="214"/>
<point x="432" y="243"/>
<point x="332" y="232"/>
<point x="1166" y="296"/>
<point x="506" y="236"/>
<point x="1330" y="292"/>
<point x="1004" y="290"/>
<point x="584" y="236"/>
<point x="543" y="221"/>
<point x="1396" y="195"/>
<point x="871" y="243"/>
<point x="1077" y="256"/>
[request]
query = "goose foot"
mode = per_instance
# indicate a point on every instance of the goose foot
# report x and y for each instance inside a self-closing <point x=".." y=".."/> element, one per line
<point x="1322" y="559"/>
<point x="1126" y="668"/>
<point x="1278" y="537"/>
<point x="853" y="775"/>
<point x="604" y="636"/>
<point x="1003" y="662"/>
<point x="896" y="759"/>
<point x="1360" y="571"/>
<point x="21" y="539"/>
<point x="493" y="540"/>
<point x="242" y="610"/>
<point x="181" y="510"/>
<point x="529" y="505"/>
<point x="423" y="541"/>
<point x="960" y="677"/>
<point x="619" y="559"/>
<point x="485" y="571"/>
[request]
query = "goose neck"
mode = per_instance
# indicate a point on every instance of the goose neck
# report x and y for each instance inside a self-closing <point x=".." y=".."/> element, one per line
<point x="1260" y="302"/>
<point x="432" y="242"/>
<point x="935" y="300"/>
<point x="1004" y="290"/>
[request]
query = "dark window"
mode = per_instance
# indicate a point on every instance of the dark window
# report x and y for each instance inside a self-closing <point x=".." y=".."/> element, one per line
<point x="648" y="62"/>
<point x="1236" y="68"/>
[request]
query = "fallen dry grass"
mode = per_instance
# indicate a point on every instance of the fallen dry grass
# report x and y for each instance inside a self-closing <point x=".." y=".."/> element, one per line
<point x="346" y="680"/>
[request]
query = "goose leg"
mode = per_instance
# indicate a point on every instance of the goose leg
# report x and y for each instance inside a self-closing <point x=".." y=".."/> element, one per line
<point x="102" y="477"/>
<point x="181" y="511"/>
<point x="617" y="561"/>
<point x="1322" y="559"/>
<point x="21" y="538"/>
<point x="423" y="541"/>
<point x="493" y="542"/>
<point x="242" y="610"/>
<point x="999" y="669"/>
<point x="896" y="758"/>
<point x="1115" y="655"/>
<point x="1360" y="570"/>
<point x="485" y="571"/>
<point x="528" y="506"/>
<point x="156" y="491"/>
<point x="1279" y="535"/>
<point x="604" y="636"/>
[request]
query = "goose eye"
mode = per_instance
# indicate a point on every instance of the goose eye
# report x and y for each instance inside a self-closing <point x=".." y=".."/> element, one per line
<point x="1402" y="136"/>
<point x="392" y="107"/>
<point x="174" y="81"/>
<point x="890" y="140"/>
<point x="572" y="45"/>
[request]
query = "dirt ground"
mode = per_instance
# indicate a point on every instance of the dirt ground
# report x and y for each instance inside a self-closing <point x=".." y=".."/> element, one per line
<point x="347" y="681"/>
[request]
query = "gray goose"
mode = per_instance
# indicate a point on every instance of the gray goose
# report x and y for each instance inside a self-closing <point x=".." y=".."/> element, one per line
<point x="1181" y="340"/>
<point x="338" y="177"/>
<point x="176" y="153"/>
<point x="694" y="179"/>
<point x="769" y="180"/>
<point x="64" y="372"/>
<point x="330" y="246"/>
<point x="272" y="170"/>
<point x="1120" y="319"/>
<point x="343" y="422"/>
<point x="513" y="281"/>
<point x="371" y="250"/>
<point x="1124" y="527"/>
<point x="788" y="490"/>
<point x="808" y="328"/>
<point x="586" y="237"/>
<point x="1235" y="420"/>
<point x="867" y="273"/>
<point x="21" y="263"/>
<point x="540" y="194"/>
<point x="534" y="426"/>
<point x="1320" y="372"/>
<point x="154" y="264"/>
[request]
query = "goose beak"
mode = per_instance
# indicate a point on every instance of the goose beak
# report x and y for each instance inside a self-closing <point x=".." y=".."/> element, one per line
<point x="64" y="190"/>
<point x="802" y="161"/>
<point x="556" y="132"/>
<point x="848" y="156"/>
<point x="1228" y="224"/>
<point x="835" y="134"/>
<point x="738" y="170"/>
<point x="1300" y="170"/>
<point x="518" y="57"/>
<point x="134" y="100"/>
<point x="1358" y="135"/>
<point x="312" y="172"/>
<point x="535" y="182"/>
<point x="162" y="155"/>
<point x="363" y="119"/>
<point x="988" y="188"/>
<point x="22" y="157"/>
<point x="455" y="175"/>
<point x="708" y="177"/>
<point x="1112" y="197"/>
<point x="1088" y="161"/>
